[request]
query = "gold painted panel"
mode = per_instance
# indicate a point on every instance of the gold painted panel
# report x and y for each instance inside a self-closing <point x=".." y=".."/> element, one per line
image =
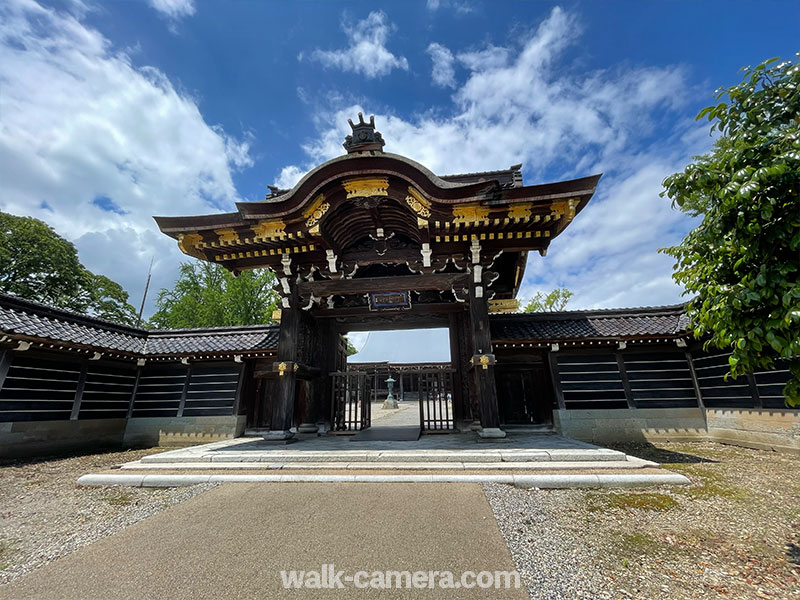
<point x="366" y="187"/>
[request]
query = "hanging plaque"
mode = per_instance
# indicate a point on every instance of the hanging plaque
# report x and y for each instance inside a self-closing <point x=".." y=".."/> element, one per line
<point x="390" y="301"/>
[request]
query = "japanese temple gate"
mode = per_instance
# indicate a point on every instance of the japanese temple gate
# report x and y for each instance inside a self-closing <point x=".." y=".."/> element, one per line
<point x="372" y="240"/>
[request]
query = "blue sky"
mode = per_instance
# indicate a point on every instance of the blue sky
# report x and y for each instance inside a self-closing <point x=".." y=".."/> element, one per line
<point x="116" y="111"/>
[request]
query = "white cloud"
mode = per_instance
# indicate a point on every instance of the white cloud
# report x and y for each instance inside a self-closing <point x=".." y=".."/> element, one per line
<point x="442" y="71"/>
<point x="491" y="57"/>
<point x="366" y="53"/>
<point x="524" y="104"/>
<point x="462" y="7"/>
<point x="174" y="9"/>
<point x="81" y="121"/>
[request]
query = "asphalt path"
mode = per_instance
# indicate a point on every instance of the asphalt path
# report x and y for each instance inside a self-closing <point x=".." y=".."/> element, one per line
<point x="234" y="541"/>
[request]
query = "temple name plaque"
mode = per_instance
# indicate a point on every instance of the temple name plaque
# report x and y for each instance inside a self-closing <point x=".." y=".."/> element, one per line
<point x="389" y="301"/>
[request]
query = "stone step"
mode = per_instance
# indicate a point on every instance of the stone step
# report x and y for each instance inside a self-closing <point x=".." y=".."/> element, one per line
<point x="629" y="464"/>
<point x="546" y="481"/>
<point x="389" y="456"/>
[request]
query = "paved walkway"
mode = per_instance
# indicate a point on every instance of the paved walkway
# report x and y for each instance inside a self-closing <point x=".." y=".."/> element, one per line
<point x="406" y="415"/>
<point x="233" y="541"/>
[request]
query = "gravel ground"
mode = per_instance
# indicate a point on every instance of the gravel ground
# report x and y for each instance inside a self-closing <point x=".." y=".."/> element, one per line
<point x="734" y="533"/>
<point x="45" y="515"/>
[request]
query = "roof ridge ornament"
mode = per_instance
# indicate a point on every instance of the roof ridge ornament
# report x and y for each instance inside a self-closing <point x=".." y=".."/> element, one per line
<point x="364" y="137"/>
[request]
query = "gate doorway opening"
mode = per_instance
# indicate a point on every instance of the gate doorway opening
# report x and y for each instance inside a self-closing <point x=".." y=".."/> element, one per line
<point x="399" y="384"/>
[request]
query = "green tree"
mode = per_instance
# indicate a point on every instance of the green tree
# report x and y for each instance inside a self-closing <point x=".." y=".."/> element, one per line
<point x="554" y="301"/>
<point x="742" y="262"/>
<point x="38" y="264"/>
<point x="206" y="295"/>
<point x="350" y="348"/>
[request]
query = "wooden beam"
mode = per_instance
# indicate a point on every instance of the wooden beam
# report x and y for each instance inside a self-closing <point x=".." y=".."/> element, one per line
<point x="237" y="401"/>
<point x="5" y="364"/>
<point x="623" y="375"/>
<point x="751" y="381"/>
<point x="185" y="390"/>
<point x="76" y="404"/>
<point x="133" y="392"/>
<point x="695" y="382"/>
<point x="555" y="377"/>
<point x="437" y="281"/>
<point x="434" y="308"/>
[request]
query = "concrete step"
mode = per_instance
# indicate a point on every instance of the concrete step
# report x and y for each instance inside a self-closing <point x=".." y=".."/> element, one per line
<point x="389" y="456"/>
<point x="545" y="481"/>
<point x="630" y="464"/>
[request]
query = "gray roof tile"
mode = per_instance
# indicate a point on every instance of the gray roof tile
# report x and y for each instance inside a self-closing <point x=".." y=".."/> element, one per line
<point x="611" y="323"/>
<point x="33" y="320"/>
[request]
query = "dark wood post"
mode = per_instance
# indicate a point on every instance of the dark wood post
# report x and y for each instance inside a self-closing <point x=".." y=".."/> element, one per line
<point x="555" y="376"/>
<point x="286" y="381"/>
<point x="483" y="373"/>
<point x="5" y="364"/>
<point x="133" y="391"/>
<point x="456" y="363"/>
<point x="76" y="404"/>
<point x="185" y="391"/>
<point x="623" y="375"/>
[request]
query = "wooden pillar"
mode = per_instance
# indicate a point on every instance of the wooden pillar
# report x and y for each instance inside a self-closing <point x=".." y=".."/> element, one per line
<point x="458" y="363"/>
<point x="286" y="381"/>
<point x="306" y="390"/>
<point x="483" y="373"/>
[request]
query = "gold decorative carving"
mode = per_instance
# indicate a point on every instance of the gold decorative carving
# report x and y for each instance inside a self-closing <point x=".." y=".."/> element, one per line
<point x="422" y="223"/>
<point x="564" y="208"/>
<point x="510" y="305"/>
<point x="520" y="211"/>
<point x="418" y="204"/>
<point x="227" y="236"/>
<point x="485" y="362"/>
<point x="470" y="213"/>
<point x="366" y="187"/>
<point x="270" y="229"/>
<point x="315" y="212"/>
<point x="282" y="368"/>
<point x="189" y="242"/>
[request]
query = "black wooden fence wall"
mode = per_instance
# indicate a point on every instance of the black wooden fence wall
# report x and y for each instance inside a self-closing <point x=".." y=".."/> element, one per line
<point x="661" y="378"/>
<point x="52" y="387"/>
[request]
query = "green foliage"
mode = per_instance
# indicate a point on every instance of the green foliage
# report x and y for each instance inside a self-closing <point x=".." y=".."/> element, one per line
<point x="38" y="264"/>
<point x="742" y="262"/>
<point x="350" y="348"/>
<point x="554" y="301"/>
<point x="206" y="295"/>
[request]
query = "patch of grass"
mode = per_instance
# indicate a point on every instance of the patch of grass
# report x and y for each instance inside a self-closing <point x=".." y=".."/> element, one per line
<point x="119" y="499"/>
<point x="6" y="550"/>
<point x="639" y="545"/>
<point x="628" y="500"/>
<point x="706" y="484"/>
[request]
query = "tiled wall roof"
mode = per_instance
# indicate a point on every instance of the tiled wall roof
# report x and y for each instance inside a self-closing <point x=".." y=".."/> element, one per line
<point x="32" y="320"/>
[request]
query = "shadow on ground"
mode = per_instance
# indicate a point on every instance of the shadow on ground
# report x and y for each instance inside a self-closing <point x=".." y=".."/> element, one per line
<point x="648" y="451"/>
<point x="793" y="553"/>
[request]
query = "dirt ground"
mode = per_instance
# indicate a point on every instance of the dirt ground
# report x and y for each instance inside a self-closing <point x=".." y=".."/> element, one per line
<point x="734" y="533"/>
<point x="45" y="515"/>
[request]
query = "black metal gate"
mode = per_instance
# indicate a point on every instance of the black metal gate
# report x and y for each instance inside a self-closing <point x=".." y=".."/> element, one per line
<point x="436" y="400"/>
<point x="351" y="407"/>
